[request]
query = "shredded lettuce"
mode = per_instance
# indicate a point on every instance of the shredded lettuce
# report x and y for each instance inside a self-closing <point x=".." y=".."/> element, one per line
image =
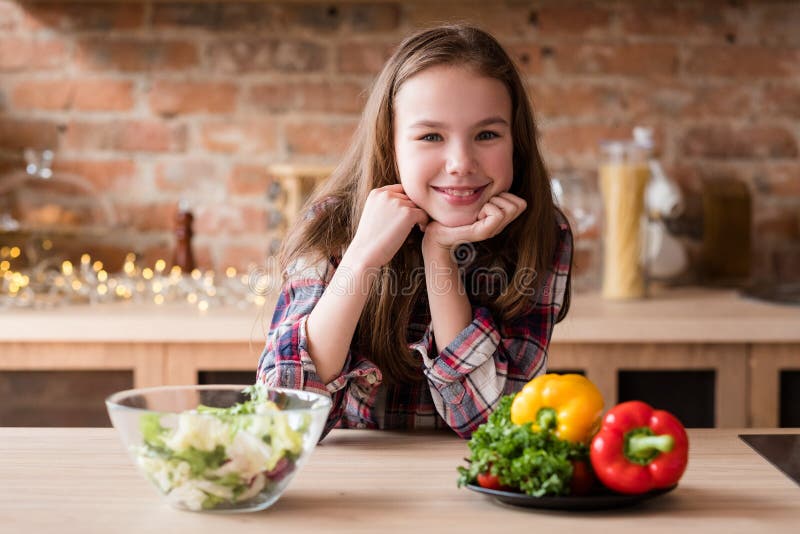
<point x="220" y="456"/>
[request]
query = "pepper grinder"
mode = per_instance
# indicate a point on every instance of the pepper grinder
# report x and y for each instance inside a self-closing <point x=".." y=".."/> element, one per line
<point x="183" y="256"/>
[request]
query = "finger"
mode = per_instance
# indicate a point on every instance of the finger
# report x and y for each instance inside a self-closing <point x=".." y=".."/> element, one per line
<point x="392" y="187"/>
<point x="517" y="201"/>
<point x="492" y="210"/>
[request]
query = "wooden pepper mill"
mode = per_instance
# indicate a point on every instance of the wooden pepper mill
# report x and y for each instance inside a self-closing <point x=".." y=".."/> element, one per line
<point x="183" y="256"/>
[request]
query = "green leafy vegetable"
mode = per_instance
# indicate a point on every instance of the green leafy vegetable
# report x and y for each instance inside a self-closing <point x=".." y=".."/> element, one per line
<point x="536" y="463"/>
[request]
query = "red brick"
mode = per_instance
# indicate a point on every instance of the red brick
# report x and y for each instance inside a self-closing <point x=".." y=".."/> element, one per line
<point x="20" y="134"/>
<point x="10" y="15"/>
<point x="104" y="175"/>
<point x="134" y="54"/>
<point x="25" y="53"/>
<point x="81" y="16"/>
<point x="781" y="101"/>
<point x="242" y="257"/>
<point x="571" y="100"/>
<point x="217" y="16"/>
<point x="744" y="62"/>
<point x="326" y="18"/>
<point x="510" y="18"/>
<point x="778" y="23"/>
<point x="363" y="57"/>
<point x="142" y="136"/>
<point x="264" y="55"/>
<point x="84" y="95"/>
<point x="197" y="176"/>
<point x="675" y="99"/>
<point x="719" y="141"/>
<point x="640" y="59"/>
<point x="527" y="57"/>
<point x="383" y="17"/>
<point x="240" y="137"/>
<point x="778" y="179"/>
<point x="582" y="19"/>
<point x="773" y="222"/>
<point x="341" y="97"/>
<point x="249" y="180"/>
<point x="314" y="138"/>
<point x="227" y="219"/>
<point x="695" y="20"/>
<point x="580" y="140"/>
<point x="180" y="98"/>
<point x="147" y="217"/>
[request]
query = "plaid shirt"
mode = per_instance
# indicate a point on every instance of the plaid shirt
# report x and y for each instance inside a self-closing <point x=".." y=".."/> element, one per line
<point x="463" y="382"/>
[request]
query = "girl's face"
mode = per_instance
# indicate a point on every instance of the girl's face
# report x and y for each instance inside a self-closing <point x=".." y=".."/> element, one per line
<point x="452" y="141"/>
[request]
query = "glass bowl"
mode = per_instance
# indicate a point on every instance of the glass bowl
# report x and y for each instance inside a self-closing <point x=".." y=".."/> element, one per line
<point x="221" y="448"/>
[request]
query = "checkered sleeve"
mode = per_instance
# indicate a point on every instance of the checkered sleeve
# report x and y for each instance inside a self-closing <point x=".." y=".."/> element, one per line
<point x="285" y="361"/>
<point x="489" y="358"/>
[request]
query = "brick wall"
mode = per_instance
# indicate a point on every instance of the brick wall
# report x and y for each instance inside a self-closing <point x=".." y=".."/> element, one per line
<point x="157" y="101"/>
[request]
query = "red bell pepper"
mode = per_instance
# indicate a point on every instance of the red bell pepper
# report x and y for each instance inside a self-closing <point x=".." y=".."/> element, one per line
<point x="638" y="449"/>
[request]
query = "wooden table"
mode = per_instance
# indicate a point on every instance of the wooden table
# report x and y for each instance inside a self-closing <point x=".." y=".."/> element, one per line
<point x="81" y="480"/>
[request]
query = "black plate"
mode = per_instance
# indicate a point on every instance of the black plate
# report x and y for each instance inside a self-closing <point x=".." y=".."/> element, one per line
<point x="602" y="500"/>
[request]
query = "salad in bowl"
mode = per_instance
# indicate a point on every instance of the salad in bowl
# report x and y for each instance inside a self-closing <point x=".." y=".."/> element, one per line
<point x="219" y="448"/>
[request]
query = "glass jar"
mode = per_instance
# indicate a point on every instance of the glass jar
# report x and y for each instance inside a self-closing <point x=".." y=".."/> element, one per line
<point x="623" y="177"/>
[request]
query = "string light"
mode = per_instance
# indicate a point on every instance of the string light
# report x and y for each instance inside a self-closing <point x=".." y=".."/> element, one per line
<point x="89" y="282"/>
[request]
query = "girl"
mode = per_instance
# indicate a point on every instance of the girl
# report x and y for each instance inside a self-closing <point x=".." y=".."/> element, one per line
<point x="411" y="293"/>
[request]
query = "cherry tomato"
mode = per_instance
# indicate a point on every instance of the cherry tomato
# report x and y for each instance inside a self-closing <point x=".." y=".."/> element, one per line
<point x="489" y="481"/>
<point x="583" y="478"/>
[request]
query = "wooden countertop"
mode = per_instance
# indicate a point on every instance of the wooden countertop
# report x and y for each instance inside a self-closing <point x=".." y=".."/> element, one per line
<point x="82" y="481"/>
<point x="680" y="316"/>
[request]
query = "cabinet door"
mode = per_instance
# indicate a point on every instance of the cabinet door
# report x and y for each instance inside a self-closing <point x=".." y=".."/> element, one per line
<point x="603" y="363"/>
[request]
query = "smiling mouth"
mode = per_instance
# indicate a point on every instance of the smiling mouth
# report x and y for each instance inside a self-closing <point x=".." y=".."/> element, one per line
<point x="460" y="192"/>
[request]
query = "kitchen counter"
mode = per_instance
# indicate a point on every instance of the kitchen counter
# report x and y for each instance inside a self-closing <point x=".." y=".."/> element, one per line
<point x="82" y="481"/>
<point x="745" y="344"/>
<point x="676" y="316"/>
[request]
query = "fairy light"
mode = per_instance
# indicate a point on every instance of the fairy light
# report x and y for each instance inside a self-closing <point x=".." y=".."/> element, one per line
<point x="47" y="244"/>
<point x="88" y="281"/>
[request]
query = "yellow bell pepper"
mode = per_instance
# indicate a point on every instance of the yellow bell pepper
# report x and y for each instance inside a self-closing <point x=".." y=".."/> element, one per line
<point x="570" y="405"/>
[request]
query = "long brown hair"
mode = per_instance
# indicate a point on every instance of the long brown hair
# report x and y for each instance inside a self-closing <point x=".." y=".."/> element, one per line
<point x="526" y="244"/>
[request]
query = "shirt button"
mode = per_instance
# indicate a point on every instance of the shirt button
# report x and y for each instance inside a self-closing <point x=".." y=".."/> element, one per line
<point x="372" y="378"/>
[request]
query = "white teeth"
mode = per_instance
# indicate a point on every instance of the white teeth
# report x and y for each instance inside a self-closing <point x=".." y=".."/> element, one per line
<point x="460" y="192"/>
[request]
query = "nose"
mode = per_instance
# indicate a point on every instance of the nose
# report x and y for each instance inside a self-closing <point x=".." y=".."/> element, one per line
<point x="460" y="159"/>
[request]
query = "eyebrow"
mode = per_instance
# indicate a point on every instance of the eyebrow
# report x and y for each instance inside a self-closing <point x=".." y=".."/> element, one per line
<point x="433" y="124"/>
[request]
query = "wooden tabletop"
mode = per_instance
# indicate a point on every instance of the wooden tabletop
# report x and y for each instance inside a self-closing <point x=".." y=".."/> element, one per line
<point x="82" y="481"/>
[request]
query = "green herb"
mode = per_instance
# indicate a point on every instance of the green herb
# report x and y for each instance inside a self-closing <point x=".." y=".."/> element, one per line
<point x="536" y="463"/>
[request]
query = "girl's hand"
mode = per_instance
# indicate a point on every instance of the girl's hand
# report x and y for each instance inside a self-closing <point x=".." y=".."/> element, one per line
<point x="387" y="219"/>
<point x="495" y="215"/>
